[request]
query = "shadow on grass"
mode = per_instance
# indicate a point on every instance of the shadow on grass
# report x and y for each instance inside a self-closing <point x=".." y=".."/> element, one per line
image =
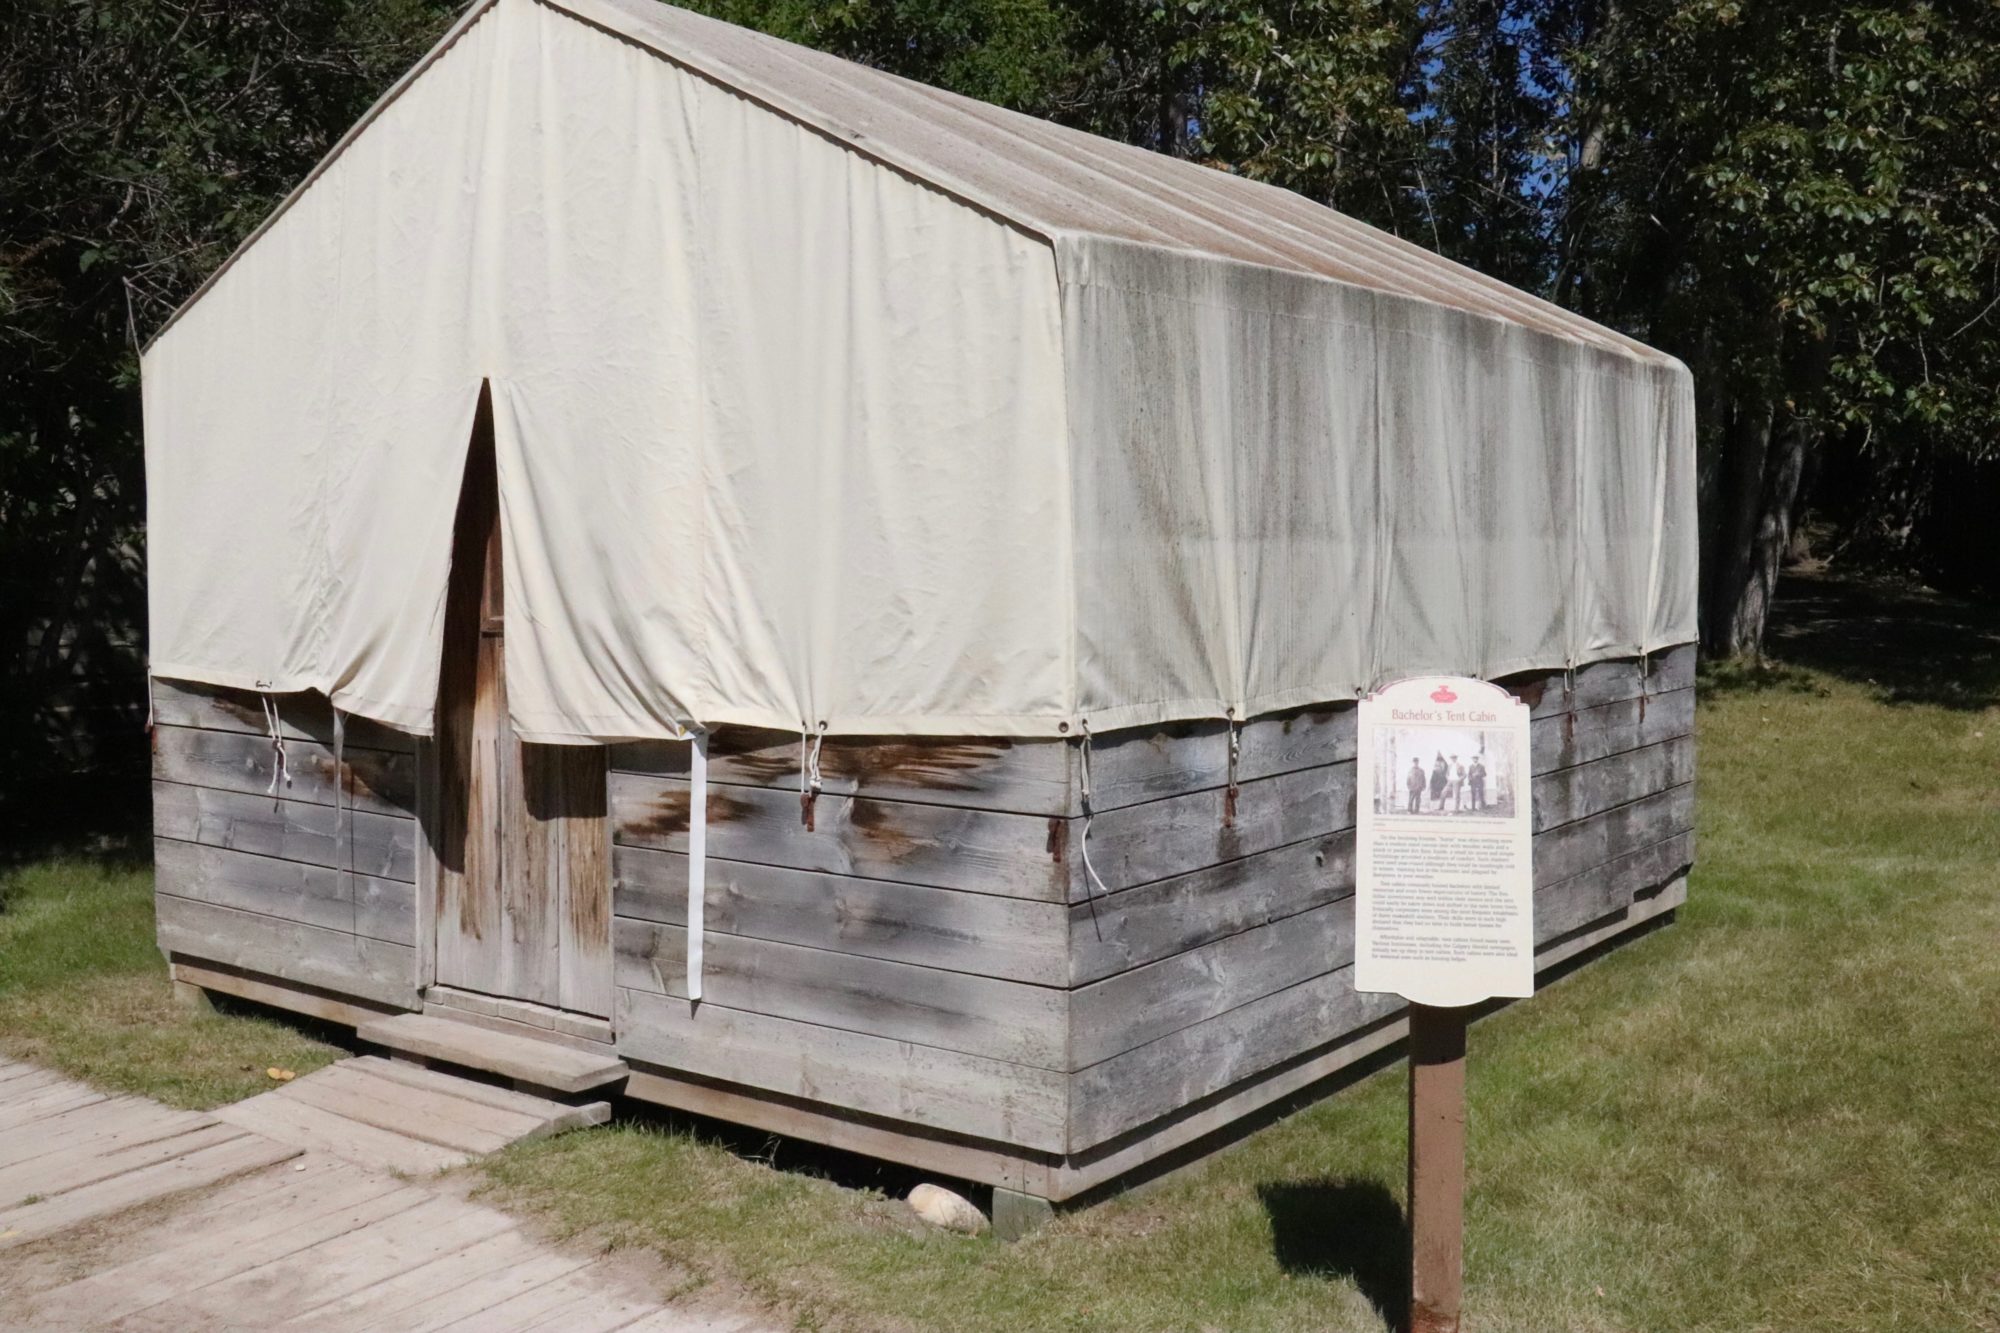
<point x="1907" y="644"/>
<point x="849" y="1170"/>
<point x="1350" y="1229"/>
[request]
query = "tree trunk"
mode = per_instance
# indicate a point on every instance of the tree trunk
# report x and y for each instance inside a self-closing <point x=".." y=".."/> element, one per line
<point x="1763" y="464"/>
<point x="1738" y="506"/>
<point x="1766" y="444"/>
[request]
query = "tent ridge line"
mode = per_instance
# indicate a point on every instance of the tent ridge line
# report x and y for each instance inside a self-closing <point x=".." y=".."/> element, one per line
<point x="925" y="178"/>
<point x="464" y="24"/>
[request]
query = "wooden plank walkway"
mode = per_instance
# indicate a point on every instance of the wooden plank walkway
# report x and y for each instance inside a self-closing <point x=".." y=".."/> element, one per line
<point x="117" y="1212"/>
<point x="378" y="1113"/>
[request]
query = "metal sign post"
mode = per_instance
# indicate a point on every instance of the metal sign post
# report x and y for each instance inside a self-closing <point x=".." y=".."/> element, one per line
<point x="1444" y="917"/>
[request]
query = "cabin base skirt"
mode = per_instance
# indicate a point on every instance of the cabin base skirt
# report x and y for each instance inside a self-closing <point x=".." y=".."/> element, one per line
<point x="1133" y="1158"/>
<point x="1142" y="1155"/>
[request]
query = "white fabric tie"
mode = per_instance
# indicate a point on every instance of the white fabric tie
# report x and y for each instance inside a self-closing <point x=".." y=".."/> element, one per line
<point x="276" y="724"/>
<point x="1088" y="814"/>
<point x="697" y="856"/>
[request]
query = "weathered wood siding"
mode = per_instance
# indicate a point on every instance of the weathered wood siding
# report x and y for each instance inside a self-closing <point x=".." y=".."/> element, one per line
<point x="931" y="951"/>
<point x="930" y="958"/>
<point x="314" y="884"/>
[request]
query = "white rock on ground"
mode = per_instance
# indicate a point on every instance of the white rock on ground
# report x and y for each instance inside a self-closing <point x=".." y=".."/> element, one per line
<point x="942" y="1208"/>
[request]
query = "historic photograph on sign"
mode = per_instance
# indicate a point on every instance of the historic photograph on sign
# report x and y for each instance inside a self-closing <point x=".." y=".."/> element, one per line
<point x="1444" y="771"/>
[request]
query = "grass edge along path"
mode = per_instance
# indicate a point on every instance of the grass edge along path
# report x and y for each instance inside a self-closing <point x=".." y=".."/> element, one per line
<point x="84" y="991"/>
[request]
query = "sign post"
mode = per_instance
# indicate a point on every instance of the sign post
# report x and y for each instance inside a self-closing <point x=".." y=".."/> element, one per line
<point x="1437" y="1168"/>
<point x="1444" y="917"/>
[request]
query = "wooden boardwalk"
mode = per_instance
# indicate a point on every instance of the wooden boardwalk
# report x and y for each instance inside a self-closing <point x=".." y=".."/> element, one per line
<point x="117" y="1212"/>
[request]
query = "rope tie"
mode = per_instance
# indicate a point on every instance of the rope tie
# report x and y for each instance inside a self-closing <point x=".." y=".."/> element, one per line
<point x="1097" y="881"/>
<point x="809" y="776"/>
<point x="1235" y="757"/>
<point x="279" y="768"/>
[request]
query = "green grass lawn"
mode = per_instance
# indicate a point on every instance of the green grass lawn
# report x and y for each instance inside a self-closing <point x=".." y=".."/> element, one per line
<point x="84" y="990"/>
<point x="1782" y="1112"/>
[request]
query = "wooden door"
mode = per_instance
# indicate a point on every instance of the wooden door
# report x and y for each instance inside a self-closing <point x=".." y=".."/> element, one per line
<point x="522" y="839"/>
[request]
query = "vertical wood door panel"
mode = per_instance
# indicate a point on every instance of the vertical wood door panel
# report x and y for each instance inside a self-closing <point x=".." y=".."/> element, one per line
<point x="524" y="877"/>
<point x="577" y="778"/>
<point x="470" y="703"/>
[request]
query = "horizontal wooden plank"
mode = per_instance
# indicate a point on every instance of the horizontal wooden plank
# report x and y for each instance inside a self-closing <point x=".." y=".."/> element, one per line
<point x="1177" y="1070"/>
<point x="1146" y="1003"/>
<point x="1643" y="911"/>
<point x="990" y="851"/>
<point x="1139" y="844"/>
<point x="1012" y="938"/>
<point x="1607" y="682"/>
<point x="1137" y="926"/>
<point x="1564" y="740"/>
<point x="349" y="1011"/>
<point x="924" y="1085"/>
<point x="1128" y="767"/>
<point x="1038" y="777"/>
<point x="1140" y="764"/>
<point x="1567" y="904"/>
<point x="302" y="716"/>
<point x="1152" y="1003"/>
<point x="954" y="1011"/>
<point x="1090" y="1168"/>
<point x="923" y="1149"/>
<point x="383" y="909"/>
<point x="329" y="959"/>
<point x="1576" y="793"/>
<point x="1117" y="931"/>
<point x="1570" y="849"/>
<point x="382" y="846"/>
<point x="377" y="781"/>
<point x="1021" y="776"/>
<point x="983" y="851"/>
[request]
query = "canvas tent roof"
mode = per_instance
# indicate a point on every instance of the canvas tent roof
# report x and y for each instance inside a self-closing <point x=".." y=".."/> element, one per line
<point x="821" y="396"/>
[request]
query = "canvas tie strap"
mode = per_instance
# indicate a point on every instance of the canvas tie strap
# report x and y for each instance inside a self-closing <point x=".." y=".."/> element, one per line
<point x="1235" y="754"/>
<point x="276" y="725"/>
<point x="1096" y="881"/>
<point x="697" y="856"/>
<point x="809" y="780"/>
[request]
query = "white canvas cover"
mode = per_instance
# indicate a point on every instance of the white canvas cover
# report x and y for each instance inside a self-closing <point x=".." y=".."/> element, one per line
<point x="823" y="397"/>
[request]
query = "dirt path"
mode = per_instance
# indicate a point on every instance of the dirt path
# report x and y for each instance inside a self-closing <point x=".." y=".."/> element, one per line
<point x="120" y="1212"/>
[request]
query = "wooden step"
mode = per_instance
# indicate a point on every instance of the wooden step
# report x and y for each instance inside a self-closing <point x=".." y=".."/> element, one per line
<point x="543" y="1064"/>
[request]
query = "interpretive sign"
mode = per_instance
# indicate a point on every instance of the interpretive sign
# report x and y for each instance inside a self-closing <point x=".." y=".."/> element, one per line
<point x="1444" y="886"/>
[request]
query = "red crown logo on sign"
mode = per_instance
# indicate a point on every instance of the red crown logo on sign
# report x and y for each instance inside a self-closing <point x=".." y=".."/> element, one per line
<point x="1443" y="694"/>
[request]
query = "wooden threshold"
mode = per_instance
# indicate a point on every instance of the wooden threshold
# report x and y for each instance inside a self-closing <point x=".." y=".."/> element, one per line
<point x="519" y="1017"/>
<point x="534" y="1061"/>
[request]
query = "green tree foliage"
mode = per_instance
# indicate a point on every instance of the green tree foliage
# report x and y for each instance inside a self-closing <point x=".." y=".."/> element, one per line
<point x="1798" y="199"/>
<point x="140" y="140"/>
<point x="1311" y="95"/>
<point x="1795" y="196"/>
